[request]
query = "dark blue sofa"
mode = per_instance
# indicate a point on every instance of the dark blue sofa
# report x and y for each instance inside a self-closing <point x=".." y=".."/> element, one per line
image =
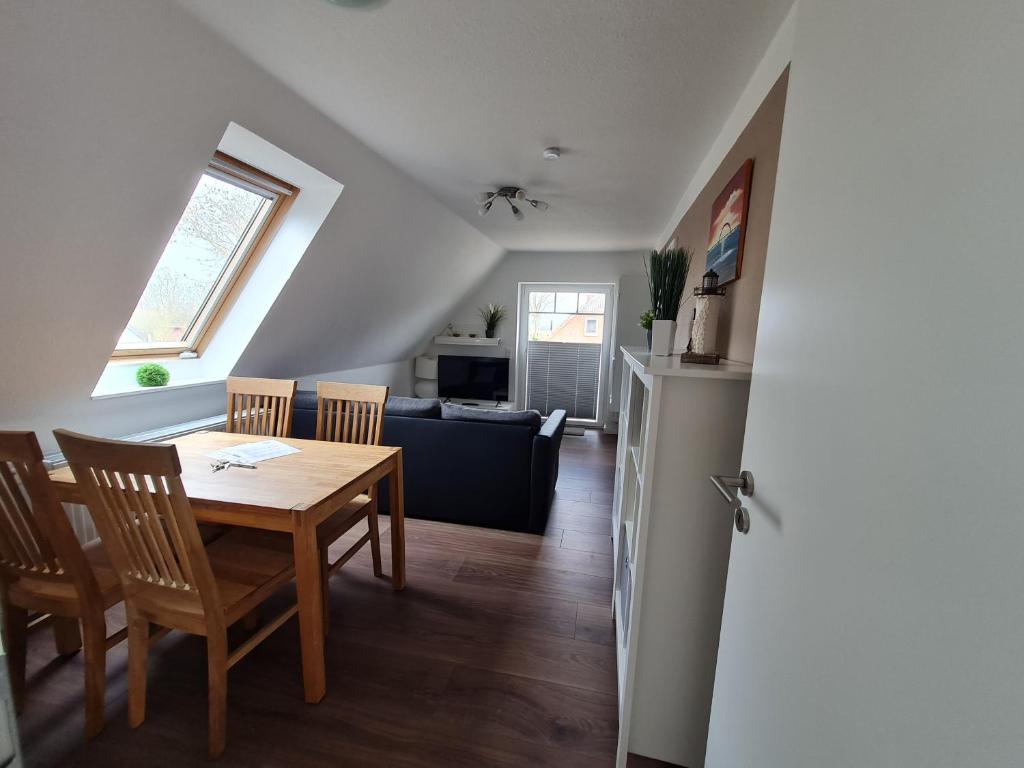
<point x="495" y="475"/>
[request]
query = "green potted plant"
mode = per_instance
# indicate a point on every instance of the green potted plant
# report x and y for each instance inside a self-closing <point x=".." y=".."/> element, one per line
<point x="647" y="322"/>
<point x="152" y="375"/>
<point x="492" y="315"/>
<point x="666" y="278"/>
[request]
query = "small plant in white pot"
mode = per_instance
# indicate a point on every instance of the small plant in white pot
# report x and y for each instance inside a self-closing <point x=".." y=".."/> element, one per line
<point x="666" y="277"/>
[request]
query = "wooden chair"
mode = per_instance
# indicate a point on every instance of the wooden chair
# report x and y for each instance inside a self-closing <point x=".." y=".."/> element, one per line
<point x="145" y="519"/>
<point x="260" y="406"/>
<point x="44" y="569"/>
<point x="349" y="413"/>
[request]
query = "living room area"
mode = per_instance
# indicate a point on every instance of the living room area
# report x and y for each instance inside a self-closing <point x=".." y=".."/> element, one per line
<point x="556" y="383"/>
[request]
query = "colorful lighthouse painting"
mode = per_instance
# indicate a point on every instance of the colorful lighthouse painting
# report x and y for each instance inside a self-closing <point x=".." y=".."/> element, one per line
<point x="729" y="225"/>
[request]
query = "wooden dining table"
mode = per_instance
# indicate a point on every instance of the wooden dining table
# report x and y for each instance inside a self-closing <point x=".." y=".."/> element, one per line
<point x="291" y="494"/>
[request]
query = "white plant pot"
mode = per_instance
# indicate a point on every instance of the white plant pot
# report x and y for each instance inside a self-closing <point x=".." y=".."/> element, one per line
<point x="663" y="335"/>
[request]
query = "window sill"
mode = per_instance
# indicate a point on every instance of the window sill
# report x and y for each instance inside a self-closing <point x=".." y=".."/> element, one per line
<point x="156" y="357"/>
<point x="137" y="390"/>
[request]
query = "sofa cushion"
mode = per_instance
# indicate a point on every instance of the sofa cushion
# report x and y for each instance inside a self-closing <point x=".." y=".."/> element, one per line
<point x="416" y="407"/>
<point x="305" y="399"/>
<point x="457" y="412"/>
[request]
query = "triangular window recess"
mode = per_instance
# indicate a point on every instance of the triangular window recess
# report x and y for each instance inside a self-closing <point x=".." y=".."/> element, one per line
<point x="225" y="228"/>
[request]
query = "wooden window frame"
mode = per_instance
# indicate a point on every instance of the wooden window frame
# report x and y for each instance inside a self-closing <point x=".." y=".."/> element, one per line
<point x="230" y="285"/>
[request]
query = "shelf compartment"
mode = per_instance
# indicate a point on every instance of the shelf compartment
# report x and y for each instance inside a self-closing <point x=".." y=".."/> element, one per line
<point x="628" y="529"/>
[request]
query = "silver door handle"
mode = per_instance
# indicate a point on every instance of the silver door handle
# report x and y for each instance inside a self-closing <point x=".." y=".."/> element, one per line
<point x="745" y="484"/>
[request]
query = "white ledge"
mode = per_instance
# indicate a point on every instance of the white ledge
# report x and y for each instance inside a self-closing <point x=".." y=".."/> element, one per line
<point x="137" y="390"/>
<point x="670" y="365"/>
<point x="212" y="423"/>
<point x="468" y="341"/>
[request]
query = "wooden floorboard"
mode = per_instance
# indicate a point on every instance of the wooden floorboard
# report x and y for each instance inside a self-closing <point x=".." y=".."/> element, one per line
<point x="593" y="623"/>
<point x="598" y="543"/>
<point x="499" y="653"/>
<point x="570" y="522"/>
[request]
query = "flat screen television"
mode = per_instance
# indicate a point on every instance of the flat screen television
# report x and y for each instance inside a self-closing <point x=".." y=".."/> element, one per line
<point x="472" y="378"/>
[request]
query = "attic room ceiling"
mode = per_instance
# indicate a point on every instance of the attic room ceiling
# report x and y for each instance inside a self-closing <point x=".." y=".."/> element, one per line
<point x="464" y="95"/>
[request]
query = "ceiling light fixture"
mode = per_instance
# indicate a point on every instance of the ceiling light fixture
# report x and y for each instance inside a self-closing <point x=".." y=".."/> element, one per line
<point x="510" y="195"/>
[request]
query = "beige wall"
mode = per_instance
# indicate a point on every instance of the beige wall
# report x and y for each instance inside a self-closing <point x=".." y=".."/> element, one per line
<point x="759" y="140"/>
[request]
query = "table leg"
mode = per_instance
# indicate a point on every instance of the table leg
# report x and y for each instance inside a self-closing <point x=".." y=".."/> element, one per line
<point x="311" y="610"/>
<point x="396" y="495"/>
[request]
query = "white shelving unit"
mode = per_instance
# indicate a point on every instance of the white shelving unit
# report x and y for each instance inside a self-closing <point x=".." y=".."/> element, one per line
<point x="467" y="341"/>
<point x="678" y="424"/>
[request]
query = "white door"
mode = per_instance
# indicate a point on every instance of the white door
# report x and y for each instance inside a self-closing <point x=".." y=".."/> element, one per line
<point x="874" y="614"/>
<point x="562" y="343"/>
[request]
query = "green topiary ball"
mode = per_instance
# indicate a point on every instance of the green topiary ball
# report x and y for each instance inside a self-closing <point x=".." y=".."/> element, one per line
<point x="152" y="375"/>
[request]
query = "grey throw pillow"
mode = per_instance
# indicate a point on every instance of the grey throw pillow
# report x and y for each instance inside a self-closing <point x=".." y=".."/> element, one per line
<point x="457" y="412"/>
<point x="414" y="407"/>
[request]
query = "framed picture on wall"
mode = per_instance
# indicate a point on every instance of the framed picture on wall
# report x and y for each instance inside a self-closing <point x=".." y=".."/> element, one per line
<point x="729" y="226"/>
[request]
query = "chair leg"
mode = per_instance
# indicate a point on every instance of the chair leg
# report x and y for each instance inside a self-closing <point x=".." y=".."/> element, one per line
<point x="138" y="652"/>
<point x="217" y="678"/>
<point x="15" y="621"/>
<point x="95" y="637"/>
<point x="371" y="519"/>
<point x="66" y="635"/>
<point x="325" y="562"/>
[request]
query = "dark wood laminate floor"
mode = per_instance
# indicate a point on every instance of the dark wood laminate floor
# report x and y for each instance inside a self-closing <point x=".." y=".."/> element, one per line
<point x="499" y="653"/>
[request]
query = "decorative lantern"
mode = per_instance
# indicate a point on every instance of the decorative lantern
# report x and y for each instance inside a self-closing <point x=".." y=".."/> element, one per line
<point x="709" y="285"/>
<point x="708" y="298"/>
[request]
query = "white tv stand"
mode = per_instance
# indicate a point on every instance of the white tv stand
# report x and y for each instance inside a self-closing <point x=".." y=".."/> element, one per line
<point x="487" y="405"/>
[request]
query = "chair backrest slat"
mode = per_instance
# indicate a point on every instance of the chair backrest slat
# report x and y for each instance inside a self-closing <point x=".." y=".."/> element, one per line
<point x="163" y="508"/>
<point x="24" y="546"/>
<point x="118" y="534"/>
<point x="36" y="538"/>
<point x="350" y="413"/>
<point x="260" y="406"/>
<point x="138" y="502"/>
<point x="141" y="497"/>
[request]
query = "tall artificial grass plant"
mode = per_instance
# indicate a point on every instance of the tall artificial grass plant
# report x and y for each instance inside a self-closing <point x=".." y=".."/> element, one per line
<point x="666" y="278"/>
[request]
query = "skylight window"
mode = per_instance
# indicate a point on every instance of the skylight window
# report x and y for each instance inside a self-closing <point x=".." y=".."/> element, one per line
<point x="224" y="228"/>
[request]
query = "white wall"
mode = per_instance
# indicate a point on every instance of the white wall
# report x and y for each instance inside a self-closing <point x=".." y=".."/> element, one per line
<point x="764" y="78"/>
<point x="398" y="376"/>
<point x="110" y="110"/>
<point x="874" y="613"/>
<point x="501" y="286"/>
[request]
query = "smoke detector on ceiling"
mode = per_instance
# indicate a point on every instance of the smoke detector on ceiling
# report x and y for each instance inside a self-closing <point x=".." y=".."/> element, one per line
<point x="552" y="153"/>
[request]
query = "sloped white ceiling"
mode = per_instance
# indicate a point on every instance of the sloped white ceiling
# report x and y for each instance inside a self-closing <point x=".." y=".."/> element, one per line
<point x="464" y="95"/>
<point x="110" y="110"/>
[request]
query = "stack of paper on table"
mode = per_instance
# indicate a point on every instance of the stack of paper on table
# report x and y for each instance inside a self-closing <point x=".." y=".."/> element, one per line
<point x="251" y="453"/>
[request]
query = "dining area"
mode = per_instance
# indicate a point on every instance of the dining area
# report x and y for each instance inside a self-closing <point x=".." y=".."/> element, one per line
<point x="198" y="536"/>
